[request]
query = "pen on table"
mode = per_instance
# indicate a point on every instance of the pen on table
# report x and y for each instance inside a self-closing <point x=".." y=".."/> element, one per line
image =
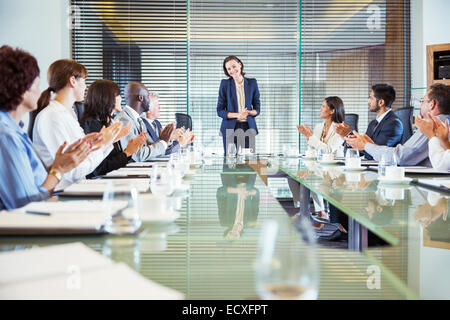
<point x="41" y="213"/>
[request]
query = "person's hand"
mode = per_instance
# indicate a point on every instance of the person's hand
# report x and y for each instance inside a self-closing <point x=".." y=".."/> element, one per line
<point x="94" y="140"/>
<point x="427" y="127"/>
<point x="186" y="138"/>
<point x="303" y="174"/>
<point x="357" y="141"/>
<point x="177" y="133"/>
<point x="135" y="144"/>
<point x="72" y="157"/>
<point x="125" y="131"/>
<point x="166" y="132"/>
<point x="442" y="130"/>
<point x="110" y="133"/>
<point x="243" y="115"/>
<point x="305" y="130"/>
<point x="342" y="129"/>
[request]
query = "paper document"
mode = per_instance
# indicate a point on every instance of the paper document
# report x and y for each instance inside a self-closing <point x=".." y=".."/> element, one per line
<point x="96" y="187"/>
<point x="73" y="271"/>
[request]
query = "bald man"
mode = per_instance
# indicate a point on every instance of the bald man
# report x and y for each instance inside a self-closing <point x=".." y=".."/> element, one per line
<point x="138" y="101"/>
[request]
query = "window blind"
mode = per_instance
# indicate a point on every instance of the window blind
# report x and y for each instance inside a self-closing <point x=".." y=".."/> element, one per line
<point x="264" y="35"/>
<point x="142" y="41"/>
<point x="348" y="46"/>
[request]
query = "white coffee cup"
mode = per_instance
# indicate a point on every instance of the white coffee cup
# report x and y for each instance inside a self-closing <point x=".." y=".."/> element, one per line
<point x="327" y="157"/>
<point x="353" y="162"/>
<point x="394" y="194"/>
<point x="395" y="173"/>
<point x="150" y="204"/>
<point x="352" y="177"/>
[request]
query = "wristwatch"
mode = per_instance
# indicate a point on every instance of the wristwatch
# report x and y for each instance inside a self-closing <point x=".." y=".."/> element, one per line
<point x="55" y="173"/>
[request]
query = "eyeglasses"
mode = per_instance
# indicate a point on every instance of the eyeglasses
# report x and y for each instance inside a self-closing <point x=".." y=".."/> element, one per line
<point x="423" y="99"/>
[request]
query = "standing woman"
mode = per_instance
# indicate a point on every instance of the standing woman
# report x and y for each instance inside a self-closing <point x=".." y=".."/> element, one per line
<point x="238" y="102"/>
<point x="102" y="101"/>
<point x="56" y="121"/>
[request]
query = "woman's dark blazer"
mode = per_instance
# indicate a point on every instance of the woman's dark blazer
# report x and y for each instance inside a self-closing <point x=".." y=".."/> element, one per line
<point x="116" y="158"/>
<point x="228" y="103"/>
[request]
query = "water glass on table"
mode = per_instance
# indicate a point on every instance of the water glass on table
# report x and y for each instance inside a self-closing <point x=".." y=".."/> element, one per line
<point x="120" y="205"/>
<point x="352" y="159"/>
<point x="287" y="267"/>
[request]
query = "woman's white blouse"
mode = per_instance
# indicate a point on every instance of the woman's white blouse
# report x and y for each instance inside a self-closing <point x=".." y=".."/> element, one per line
<point x="55" y="125"/>
<point x="332" y="140"/>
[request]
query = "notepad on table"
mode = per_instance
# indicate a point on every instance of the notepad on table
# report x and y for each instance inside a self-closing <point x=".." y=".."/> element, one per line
<point x="63" y="217"/>
<point x="98" y="186"/>
<point x="73" y="271"/>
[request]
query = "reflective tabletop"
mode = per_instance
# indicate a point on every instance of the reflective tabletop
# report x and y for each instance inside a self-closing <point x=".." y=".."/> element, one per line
<point x="413" y="220"/>
<point x="205" y="256"/>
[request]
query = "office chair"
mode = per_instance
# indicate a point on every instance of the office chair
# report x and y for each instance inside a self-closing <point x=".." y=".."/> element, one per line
<point x="406" y="117"/>
<point x="183" y="120"/>
<point x="352" y="120"/>
<point x="78" y="107"/>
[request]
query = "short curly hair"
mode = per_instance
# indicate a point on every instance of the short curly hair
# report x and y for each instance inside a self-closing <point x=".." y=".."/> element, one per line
<point x="18" y="70"/>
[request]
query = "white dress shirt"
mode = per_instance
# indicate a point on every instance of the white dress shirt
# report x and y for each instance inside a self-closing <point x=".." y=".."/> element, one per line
<point x="55" y="125"/>
<point x="439" y="157"/>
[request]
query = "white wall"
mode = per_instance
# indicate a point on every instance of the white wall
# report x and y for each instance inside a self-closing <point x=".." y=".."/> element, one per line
<point x="429" y="25"/>
<point x="39" y="27"/>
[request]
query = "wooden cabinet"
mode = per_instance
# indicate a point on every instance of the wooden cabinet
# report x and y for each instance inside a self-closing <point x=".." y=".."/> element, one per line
<point x="438" y="64"/>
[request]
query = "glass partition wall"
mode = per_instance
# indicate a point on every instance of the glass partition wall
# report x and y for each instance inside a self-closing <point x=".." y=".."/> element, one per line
<point x="300" y="51"/>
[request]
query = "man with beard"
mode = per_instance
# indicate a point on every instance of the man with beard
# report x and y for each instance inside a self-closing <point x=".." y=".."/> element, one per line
<point x="387" y="128"/>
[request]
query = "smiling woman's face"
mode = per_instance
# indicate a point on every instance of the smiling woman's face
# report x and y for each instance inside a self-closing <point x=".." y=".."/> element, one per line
<point x="234" y="69"/>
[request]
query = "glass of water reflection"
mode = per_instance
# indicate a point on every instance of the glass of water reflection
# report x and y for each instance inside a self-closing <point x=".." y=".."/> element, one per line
<point x="287" y="267"/>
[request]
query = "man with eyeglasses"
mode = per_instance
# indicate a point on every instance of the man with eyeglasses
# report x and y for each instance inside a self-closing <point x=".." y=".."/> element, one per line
<point x="414" y="152"/>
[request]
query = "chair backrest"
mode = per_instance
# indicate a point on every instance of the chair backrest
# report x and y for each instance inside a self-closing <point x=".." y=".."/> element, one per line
<point x="406" y="117"/>
<point x="183" y="120"/>
<point x="352" y="120"/>
<point x="78" y="107"/>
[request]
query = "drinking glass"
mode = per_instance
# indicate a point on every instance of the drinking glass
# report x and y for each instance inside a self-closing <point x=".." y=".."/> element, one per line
<point x="163" y="182"/>
<point x="121" y="208"/>
<point x="231" y="150"/>
<point x="287" y="267"/>
<point x="350" y="155"/>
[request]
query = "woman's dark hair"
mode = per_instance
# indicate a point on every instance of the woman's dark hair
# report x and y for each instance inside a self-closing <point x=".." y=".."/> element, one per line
<point x="18" y="70"/>
<point x="229" y="58"/>
<point x="59" y="74"/>
<point x="386" y="92"/>
<point x="441" y="93"/>
<point x="100" y="101"/>
<point x="336" y="104"/>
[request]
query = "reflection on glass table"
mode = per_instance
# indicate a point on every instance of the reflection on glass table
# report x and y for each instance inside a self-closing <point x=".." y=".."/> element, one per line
<point x="238" y="203"/>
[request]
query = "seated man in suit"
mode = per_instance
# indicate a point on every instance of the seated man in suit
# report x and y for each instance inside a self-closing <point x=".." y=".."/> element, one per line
<point x="179" y="137"/>
<point x="138" y="101"/>
<point x="435" y="103"/>
<point x="387" y="128"/>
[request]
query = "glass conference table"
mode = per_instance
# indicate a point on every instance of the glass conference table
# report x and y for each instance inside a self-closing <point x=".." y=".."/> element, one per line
<point x="412" y="220"/>
<point x="197" y="256"/>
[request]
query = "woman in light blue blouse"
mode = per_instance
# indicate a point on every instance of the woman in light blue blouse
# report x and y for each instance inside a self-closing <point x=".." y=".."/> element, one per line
<point x="23" y="177"/>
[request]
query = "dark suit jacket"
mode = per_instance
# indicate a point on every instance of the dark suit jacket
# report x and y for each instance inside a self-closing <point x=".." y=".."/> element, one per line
<point x="388" y="133"/>
<point x="154" y="136"/>
<point x="116" y="158"/>
<point x="228" y="103"/>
